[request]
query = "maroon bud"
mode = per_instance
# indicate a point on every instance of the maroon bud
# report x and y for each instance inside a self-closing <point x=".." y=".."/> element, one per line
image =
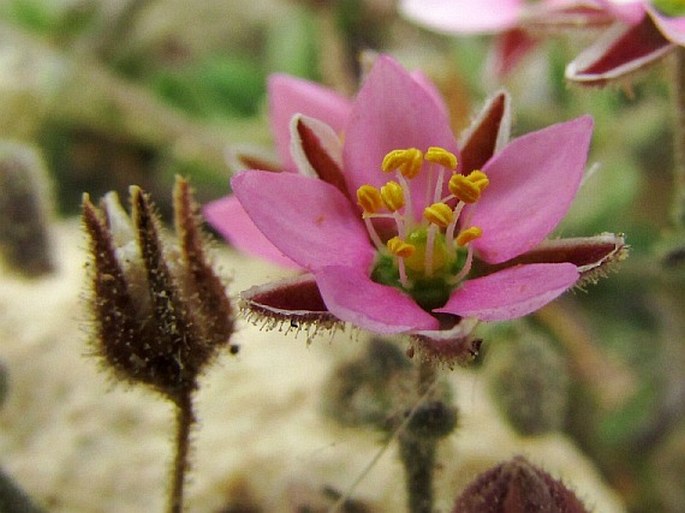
<point x="517" y="486"/>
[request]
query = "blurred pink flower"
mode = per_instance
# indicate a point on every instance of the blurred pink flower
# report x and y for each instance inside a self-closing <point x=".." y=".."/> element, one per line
<point x="637" y="32"/>
<point x="439" y="245"/>
<point x="517" y="24"/>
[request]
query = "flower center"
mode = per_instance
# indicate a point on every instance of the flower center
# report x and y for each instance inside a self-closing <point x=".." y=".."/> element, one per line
<point x="670" y="7"/>
<point x="425" y="258"/>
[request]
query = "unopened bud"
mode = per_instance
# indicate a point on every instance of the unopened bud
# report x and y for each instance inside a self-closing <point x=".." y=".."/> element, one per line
<point x="517" y="486"/>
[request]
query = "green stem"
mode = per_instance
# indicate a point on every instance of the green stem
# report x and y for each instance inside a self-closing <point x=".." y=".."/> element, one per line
<point x="417" y="452"/>
<point x="185" y="419"/>
<point x="418" y="458"/>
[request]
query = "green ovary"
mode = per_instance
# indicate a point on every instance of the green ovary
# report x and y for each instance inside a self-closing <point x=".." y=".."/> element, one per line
<point x="429" y="292"/>
<point x="670" y="7"/>
<point x="416" y="264"/>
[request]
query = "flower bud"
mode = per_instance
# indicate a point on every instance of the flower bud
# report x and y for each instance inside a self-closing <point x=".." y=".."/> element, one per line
<point x="516" y="486"/>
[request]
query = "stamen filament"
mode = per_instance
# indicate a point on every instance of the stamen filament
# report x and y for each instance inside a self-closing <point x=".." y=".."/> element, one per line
<point x="402" y="268"/>
<point x="438" y="185"/>
<point x="430" y="248"/>
<point x="408" y="210"/>
<point x="401" y="225"/>
<point x="387" y="215"/>
<point x="375" y="238"/>
<point x="449" y="231"/>
<point x="467" y="265"/>
<point x="429" y="184"/>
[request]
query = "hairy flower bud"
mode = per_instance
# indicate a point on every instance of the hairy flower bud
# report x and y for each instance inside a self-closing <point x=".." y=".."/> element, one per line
<point x="160" y="313"/>
<point x="516" y="486"/>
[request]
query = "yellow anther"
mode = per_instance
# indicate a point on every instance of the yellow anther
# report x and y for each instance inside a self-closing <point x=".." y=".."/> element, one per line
<point x="369" y="198"/>
<point x="467" y="235"/>
<point x="441" y="156"/>
<point x="400" y="248"/>
<point x="464" y="189"/>
<point x="479" y="179"/>
<point x="439" y="213"/>
<point x="408" y="162"/>
<point x="392" y="195"/>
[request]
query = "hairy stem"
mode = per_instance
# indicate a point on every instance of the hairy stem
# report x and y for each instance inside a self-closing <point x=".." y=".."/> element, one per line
<point x="185" y="419"/>
<point x="418" y="458"/>
<point x="417" y="452"/>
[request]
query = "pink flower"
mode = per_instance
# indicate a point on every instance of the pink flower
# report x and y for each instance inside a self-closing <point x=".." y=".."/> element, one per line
<point x="644" y="33"/>
<point x="287" y="96"/>
<point x="400" y="232"/>
<point x="518" y="24"/>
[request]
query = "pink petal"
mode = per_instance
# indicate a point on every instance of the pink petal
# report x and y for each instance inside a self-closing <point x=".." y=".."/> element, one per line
<point x="309" y="220"/>
<point x="431" y="89"/>
<point x="532" y="183"/>
<point x="350" y="295"/>
<point x="228" y="217"/>
<point x="289" y="96"/>
<point x="555" y="15"/>
<point x="618" y="53"/>
<point x="672" y="28"/>
<point x="392" y="111"/>
<point x="512" y="292"/>
<point x="463" y="16"/>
